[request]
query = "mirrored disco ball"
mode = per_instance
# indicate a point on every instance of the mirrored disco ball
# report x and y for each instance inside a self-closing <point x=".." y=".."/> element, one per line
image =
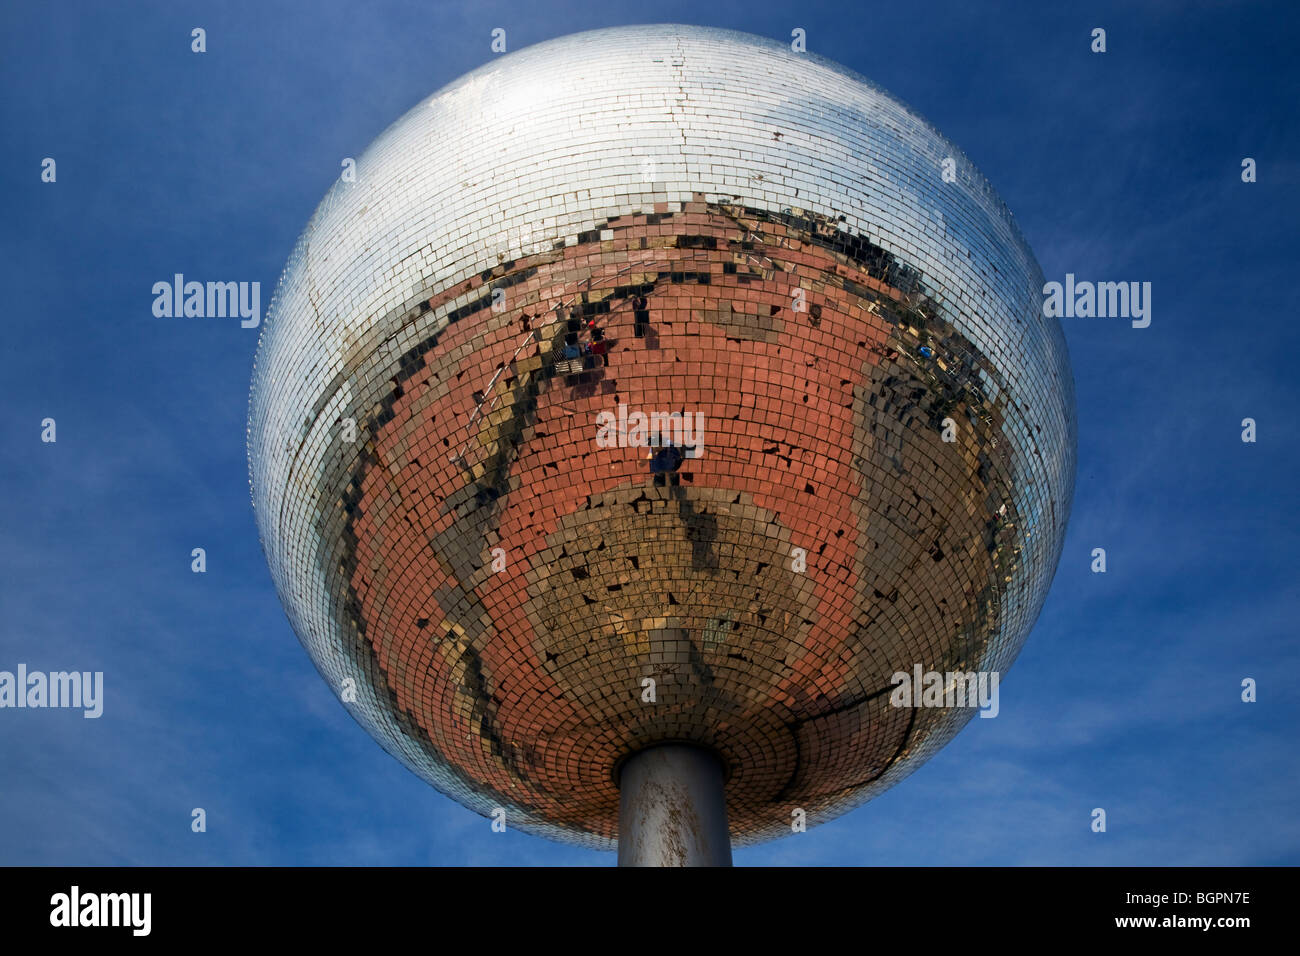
<point x="656" y="384"/>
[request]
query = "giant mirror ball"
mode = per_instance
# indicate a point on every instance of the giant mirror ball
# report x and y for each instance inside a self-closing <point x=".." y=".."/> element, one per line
<point x="659" y="384"/>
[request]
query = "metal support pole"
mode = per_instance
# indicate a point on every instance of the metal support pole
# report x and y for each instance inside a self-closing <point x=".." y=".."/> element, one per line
<point x="672" y="809"/>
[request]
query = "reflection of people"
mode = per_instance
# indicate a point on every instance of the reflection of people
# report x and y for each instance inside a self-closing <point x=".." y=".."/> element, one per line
<point x="641" y="312"/>
<point x="598" y="344"/>
<point x="571" y="349"/>
<point x="664" y="464"/>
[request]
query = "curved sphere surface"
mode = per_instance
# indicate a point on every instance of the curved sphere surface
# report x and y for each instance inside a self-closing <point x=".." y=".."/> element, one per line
<point x="652" y="384"/>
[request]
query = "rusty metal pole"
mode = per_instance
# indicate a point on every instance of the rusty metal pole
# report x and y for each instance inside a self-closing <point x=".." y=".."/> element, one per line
<point x="672" y="809"/>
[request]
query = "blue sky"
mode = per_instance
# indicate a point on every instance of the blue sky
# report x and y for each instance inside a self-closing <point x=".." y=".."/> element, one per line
<point x="1124" y="165"/>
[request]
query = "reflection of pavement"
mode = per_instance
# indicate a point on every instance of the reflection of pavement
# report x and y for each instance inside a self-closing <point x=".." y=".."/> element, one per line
<point x="825" y="437"/>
